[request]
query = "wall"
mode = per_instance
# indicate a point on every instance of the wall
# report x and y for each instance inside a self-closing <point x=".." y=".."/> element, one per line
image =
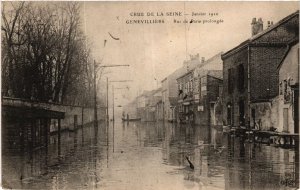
<point x="75" y="111"/>
<point x="232" y="62"/>
<point x="288" y="75"/>
<point x="281" y="107"/>
<point x="264" y="75"/>
<point x="290" y="66"/>
<point x="266" y="114"/>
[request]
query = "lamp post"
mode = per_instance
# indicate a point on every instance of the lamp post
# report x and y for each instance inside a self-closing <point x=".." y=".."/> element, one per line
<point x="113" y="95"/>
<point x="95" y="96"/>
<point x="95" y="88"/>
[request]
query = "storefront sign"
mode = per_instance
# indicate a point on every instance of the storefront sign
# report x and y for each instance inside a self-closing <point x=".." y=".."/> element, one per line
<point x="200" y="108"/>
<point x="186" y="103"/>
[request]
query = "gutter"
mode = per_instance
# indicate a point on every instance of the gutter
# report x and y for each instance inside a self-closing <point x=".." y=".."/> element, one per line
<point x="248" y="89"/>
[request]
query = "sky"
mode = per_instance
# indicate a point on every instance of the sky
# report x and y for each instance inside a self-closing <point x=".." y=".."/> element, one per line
<point x="154" y="51"/>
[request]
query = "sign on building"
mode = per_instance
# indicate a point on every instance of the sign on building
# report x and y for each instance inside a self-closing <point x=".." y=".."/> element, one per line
<point x="200" y="108"/>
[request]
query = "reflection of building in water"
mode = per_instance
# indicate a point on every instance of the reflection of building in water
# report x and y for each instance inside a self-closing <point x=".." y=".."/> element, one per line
<point x="259" y="166"/>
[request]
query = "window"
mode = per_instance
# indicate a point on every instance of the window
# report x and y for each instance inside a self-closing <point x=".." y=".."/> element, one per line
<point x="230" y="80"/>
<point x="203" y="86"/>
<point x="241" y="78"/>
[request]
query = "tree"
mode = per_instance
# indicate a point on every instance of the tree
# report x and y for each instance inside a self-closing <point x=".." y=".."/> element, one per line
<point x="44" y="53"/>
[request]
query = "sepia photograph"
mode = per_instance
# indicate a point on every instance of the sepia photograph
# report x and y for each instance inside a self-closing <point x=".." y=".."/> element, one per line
<point x="150" y="95"/>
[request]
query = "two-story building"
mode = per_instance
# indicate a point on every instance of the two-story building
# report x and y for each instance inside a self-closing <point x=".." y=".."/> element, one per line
<point x="185" y="97"/>
<point x="250" y="76"/>
<point x="288" y="99"/>
<point x="170" y="89"/>
<point x="207" y="81"/>
<point x="206" y="92"/>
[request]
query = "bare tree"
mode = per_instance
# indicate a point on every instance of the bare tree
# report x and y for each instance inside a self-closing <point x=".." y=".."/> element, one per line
<point x="44" y="52"/>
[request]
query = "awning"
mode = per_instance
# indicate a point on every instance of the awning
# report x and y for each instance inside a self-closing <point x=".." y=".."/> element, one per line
<point x="26" y="112"/>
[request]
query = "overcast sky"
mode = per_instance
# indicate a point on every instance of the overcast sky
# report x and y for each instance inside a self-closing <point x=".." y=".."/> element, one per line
<point x="156" y="50"/>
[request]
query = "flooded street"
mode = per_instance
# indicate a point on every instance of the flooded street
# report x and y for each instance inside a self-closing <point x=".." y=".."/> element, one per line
<point x="149" y="155"/>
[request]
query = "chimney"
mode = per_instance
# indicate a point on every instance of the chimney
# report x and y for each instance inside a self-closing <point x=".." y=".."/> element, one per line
<point x="257" y="26"/>
<point x="270" y="23"/>
<point x="202" y="59"/>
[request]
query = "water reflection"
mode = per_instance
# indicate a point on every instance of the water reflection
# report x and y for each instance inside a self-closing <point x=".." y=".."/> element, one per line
<point x="135" y="155"/>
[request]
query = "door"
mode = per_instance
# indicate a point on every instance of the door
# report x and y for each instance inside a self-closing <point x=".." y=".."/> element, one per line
<point x="285" y="120"/>
<point x="229" y="114"/>
<point x="242" y="113"/>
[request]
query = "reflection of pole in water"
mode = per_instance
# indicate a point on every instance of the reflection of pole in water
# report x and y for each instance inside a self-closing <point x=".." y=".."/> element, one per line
<point x="107" y="142"/>
<point x="82" y="121"/>
<point x="113" y="135"/>
<point x="58" y="138"/>
<point x="296" y="162"/>
<point x="94" y="157"/>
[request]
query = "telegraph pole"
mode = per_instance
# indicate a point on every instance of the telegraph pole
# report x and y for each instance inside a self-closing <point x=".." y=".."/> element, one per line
<point x="113" y="94"/>
<point x="95" y="97"/>
<point x="107" y="116"/>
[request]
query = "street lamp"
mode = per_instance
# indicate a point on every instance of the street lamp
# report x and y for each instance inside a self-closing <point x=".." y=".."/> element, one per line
<point x="95" y="87"/>
<point x="113" y="95"/>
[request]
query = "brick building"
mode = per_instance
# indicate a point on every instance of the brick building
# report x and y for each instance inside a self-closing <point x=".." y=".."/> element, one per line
<point x="250" y="73"/>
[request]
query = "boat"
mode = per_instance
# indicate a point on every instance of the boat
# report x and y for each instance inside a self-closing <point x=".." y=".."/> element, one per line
<point x="131" y="119"/>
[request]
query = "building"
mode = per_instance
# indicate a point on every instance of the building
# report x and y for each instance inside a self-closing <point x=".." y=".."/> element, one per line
<point x="170" y="88"/>
<point x="206" y="96"/>
<point x="250" y="75"/>
<point x="208" y="80"/>
<point x="185" y="96"/>
<point x="153" y="98"/>
<point x="199" y="84"/>
<point x="147" y="103"/>
<point x="288" y="99"/>
<point x="141" y="104"/>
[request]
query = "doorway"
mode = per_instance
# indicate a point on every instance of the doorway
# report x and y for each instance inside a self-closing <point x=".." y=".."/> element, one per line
<point x="242" y="112"/>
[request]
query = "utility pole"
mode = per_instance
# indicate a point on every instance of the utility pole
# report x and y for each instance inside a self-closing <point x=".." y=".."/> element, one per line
<point x="95" y="90"/>
<point x="107" y="116"/>
<point x="113" y="94"/>
<point x="95" y="97"/>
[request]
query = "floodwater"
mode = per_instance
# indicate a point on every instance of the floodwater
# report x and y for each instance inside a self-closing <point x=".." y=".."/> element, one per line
<point x="138" y="155"/>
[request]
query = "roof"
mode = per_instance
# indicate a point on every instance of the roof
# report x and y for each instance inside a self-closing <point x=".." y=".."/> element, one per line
<point x="253" y="38"/>
<point x="290" y="45"/>
<point x="214" y="59"/>
<point x="185" y="74"/>
<point x="183" y="69"/>
<point x="216" y="74"/>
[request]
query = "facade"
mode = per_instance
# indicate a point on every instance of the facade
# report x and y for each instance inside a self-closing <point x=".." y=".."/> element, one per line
<point x="288" y="109"/>
<point x="197" y="88"/>
<point x="170" y="89"/>
<point x="141" y="104"/>
<point x="250" y="76"/>
<point x="206" y="96"/>
<point x="207" y="83"/>
<point x="147" y="104"/>
<point x="185" y="96"/>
